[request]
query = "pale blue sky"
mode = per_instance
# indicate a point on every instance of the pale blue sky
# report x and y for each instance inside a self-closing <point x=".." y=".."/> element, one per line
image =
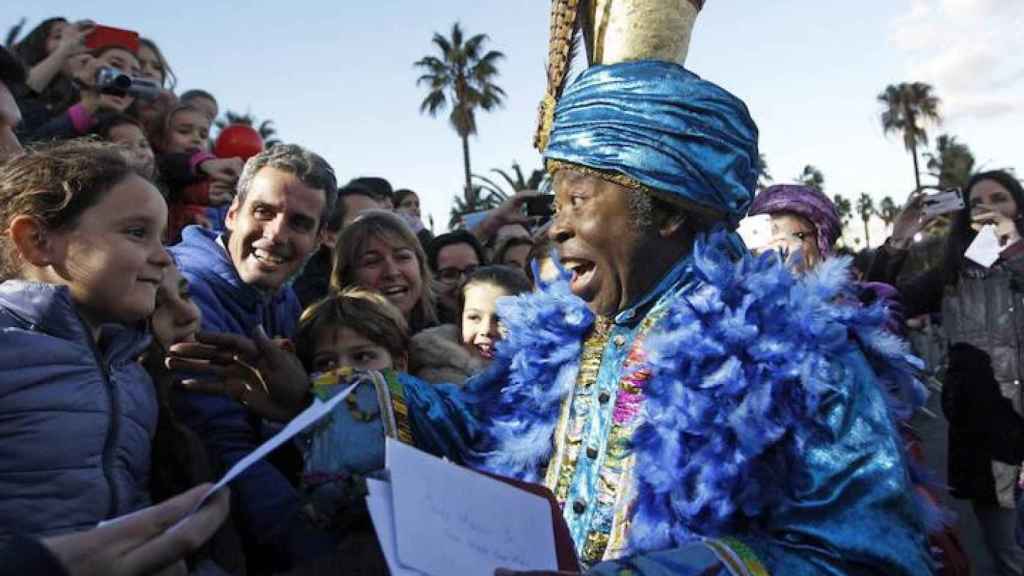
<point x="338" y="77"/>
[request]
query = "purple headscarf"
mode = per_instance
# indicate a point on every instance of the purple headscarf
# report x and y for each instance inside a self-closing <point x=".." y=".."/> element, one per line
<point x="802" y="201"/>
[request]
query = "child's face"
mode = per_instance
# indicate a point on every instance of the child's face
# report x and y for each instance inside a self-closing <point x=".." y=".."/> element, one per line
<point x="113" y="260"/>
<point x="344" y="347"/>
<point x="176" y="318"/>
<point x="139" y="154"/>
<point x="481" y="328"/>
<point x="189" y="131"/>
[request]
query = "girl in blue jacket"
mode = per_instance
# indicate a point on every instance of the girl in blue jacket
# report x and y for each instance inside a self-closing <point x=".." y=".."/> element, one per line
<point x="81" y="261"/>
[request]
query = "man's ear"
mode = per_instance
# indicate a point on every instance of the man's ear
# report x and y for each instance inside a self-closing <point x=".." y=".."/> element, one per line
<point x="229" y="218"/>
<point x="672" y="224"/>
<point x="32" y="240"/>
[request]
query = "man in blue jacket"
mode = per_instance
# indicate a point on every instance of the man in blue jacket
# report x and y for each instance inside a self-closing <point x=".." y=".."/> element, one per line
<point x="240" y="280"/>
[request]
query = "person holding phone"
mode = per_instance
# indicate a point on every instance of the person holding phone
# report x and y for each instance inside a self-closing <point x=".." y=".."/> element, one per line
<point x="982" y="308"/>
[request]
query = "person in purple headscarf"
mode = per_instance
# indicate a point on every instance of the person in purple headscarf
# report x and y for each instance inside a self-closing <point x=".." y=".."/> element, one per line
<point x="804" y="222"/>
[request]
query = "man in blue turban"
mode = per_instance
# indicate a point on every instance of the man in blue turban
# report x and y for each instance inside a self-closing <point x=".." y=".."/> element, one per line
<point x="694" y="409"/>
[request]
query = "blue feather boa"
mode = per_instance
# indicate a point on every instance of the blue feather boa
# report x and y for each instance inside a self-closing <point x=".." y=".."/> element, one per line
<point x="740" y="365"/>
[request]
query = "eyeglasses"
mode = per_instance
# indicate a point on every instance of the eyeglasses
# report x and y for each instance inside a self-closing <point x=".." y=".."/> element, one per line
<point x="452" y="275"/>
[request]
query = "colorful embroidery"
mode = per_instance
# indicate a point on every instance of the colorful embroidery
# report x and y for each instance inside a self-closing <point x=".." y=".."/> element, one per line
<point x="737" y="556"/>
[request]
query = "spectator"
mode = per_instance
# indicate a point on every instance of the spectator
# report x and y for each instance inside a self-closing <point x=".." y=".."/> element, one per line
<point x="186" y="132"/>
<point x="407" y="205"/>
<point x="978" y="310"/>
<point x="314" y="281"/>
<point x="153" y="66"/>
<point x="379" y="252"/>
<point x="80" y="117"/>
<point x="240" y="281"/>
<point x="201" y="100"/>
<point x="513" y="251"/>
<point x="356" y="199"/>
<point x="83" y="260"/>
<point x="52" y="51"/>
<point x="453" y="353"/>
<point x="127" y="131"/>
<point x="179" y="458"/>
<point x="12" y="73"/>
<point x="377" y="188"/>
<point x="453" y="257"/>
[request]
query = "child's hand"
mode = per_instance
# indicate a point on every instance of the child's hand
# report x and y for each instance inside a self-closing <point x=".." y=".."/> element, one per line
<point x="224" y="170"/>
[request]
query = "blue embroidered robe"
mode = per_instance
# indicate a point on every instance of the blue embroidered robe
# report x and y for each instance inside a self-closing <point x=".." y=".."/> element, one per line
<point x="736" y="417"/>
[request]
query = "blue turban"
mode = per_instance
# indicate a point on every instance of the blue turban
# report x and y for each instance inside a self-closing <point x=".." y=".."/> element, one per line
<point x="664" y="128"/>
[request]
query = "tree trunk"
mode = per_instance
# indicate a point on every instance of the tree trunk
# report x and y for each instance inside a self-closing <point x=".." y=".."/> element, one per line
<point x="468" y="195"/>
<point x="917" y="171"/>
<point x="867" y="236"/>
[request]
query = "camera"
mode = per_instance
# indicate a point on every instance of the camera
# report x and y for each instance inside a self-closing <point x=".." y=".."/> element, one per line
<point x="113" y="81"/>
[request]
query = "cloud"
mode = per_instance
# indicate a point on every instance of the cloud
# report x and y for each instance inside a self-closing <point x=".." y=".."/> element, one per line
<point x="968" y="49"/>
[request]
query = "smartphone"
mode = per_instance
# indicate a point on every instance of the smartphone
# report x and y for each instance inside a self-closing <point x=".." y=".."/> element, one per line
<point x="540" y="206"/>
<point x="102" y="36"/>
<point x="943" y="202"/>
<point x="756" y="231"/>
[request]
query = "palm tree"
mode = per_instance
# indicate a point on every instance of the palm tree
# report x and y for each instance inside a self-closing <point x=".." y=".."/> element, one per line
<point x="888" y="211"/>
<point x="908" y="106"/>
<point x="515" y="183"/>
<point x="764" y="177"/>
<point x="865" y="208"/>
<point x="843" y="208"/>
<point x="460" y="207"/>
<point x="812" y="177"/>
<point x="265" y="128"/>
<point x="461" y="78"/>
<point x="952" y="162"/>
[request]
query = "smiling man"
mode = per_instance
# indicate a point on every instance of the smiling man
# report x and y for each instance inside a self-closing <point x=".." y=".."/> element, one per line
<point x="240" y="282"/>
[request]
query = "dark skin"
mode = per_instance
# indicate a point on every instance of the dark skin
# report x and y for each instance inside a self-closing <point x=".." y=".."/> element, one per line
<point x="615" y="262"/>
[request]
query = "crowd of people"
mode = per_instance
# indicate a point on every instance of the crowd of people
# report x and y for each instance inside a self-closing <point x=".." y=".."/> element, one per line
<point x="694" y="407"/>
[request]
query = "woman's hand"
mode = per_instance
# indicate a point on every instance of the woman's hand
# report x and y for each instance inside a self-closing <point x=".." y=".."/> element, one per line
<point x="267" y="379"/>
<point x="1006" y="228"/>
<point x="910" y="222"/>
<point x="221" y="193"/>
<point x="224" y="170"/>
<point x="72" y="39"/>
<point x="509" y="212"/>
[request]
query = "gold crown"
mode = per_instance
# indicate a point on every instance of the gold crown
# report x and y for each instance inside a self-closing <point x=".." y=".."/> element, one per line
<point x="625" y="30"/>
<point x="613" y="31"/>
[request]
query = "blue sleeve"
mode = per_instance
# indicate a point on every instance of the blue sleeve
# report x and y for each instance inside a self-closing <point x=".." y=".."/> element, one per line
<point x="441" y="422"/>
<point x="264" y="501"/>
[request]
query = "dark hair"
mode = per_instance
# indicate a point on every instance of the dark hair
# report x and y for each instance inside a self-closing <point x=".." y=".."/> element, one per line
<point x="448" y="239"/>
<point x="390" y="228"/>
<point x="337" y="217"/>
<point x="961" y="234"/>
<point x="512" y="280"/>
<point x="168" y="79"/>
<point x="108" y="122"/>
<point x="400" y="195"/>
<point x="12" y="72"/>
<point x="508" y="243"/>
<point x="195" y="93"/>
<point x="307" y="166"/>
<point x="367" y="313"/>
<point x="376" y="187"/>
<point x="32" y="48"/>
<point x="55" y="183"/>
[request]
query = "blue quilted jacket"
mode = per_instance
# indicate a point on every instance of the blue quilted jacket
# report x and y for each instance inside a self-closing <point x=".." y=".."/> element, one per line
<point x="76" y="418"/>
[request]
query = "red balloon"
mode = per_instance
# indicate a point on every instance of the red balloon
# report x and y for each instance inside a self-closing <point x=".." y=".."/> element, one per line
<point x="238" y="141"/>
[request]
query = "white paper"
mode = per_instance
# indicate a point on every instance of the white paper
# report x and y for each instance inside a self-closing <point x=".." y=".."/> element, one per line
<point x="451" y="520"/>
<point x="317" y="410"/>
<point x="985" y="249"/>
<point x="378" y="502"/>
